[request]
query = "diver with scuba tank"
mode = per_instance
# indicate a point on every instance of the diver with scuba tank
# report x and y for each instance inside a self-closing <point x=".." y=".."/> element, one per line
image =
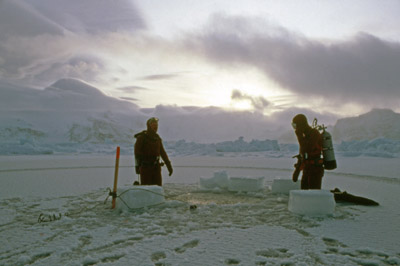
<point x="149" y="150"/>
<point x="309" y="160"/>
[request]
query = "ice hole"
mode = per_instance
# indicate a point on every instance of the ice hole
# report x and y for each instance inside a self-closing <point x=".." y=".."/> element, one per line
<point x="284" y="186"/>
<point x="246" y="184"/>
<point x="219" y="180"/>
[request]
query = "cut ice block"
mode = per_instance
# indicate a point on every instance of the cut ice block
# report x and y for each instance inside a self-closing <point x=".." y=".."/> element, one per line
<point x="311" y="202"/>
<point x="139" y="196"/>
<point x="246" y="184"/>
<point x="219" y="180"/>
<point x="283" y="186"/>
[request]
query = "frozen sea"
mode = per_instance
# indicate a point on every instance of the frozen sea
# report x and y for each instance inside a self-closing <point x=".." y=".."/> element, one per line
<point x="53" y="212"/>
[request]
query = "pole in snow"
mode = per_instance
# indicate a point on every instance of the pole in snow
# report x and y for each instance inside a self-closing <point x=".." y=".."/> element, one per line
<point x="114" y="194"/>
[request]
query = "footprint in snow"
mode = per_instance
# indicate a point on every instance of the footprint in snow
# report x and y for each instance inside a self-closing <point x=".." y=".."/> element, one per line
<point x="333" y="242"/>
<point x="156" y="256"/>
<point x="187" y="245"/>
<point x="232" y="262"/>
<point x="274" y="253"/>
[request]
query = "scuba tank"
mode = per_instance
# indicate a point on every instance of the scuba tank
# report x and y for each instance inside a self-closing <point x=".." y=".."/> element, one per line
<point x="327" y="147"/>
<point x="327" y="151"/>
<point x="137" y="160"/>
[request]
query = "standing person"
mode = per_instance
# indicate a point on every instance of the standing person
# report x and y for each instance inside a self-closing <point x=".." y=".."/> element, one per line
<point x="310" y="160"/>
<point x="148" y="150"/>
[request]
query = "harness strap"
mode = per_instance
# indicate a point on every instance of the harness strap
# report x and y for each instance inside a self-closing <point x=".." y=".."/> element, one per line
<point x="153" y="162"/>
<point x="316" y="161"/>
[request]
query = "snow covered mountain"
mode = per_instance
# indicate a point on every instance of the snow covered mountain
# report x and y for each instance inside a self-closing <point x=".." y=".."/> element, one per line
<point x="67" y="111"/>
<point x="73" y="111"/>
<point x="378" y="123"/>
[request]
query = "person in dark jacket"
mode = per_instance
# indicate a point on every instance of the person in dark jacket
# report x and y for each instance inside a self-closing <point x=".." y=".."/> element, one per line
<point x="310" y="159"/>
<point x="149" y="150"/>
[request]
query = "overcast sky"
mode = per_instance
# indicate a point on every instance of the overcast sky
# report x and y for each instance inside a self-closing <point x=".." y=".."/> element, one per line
<point x="340" y="56"/>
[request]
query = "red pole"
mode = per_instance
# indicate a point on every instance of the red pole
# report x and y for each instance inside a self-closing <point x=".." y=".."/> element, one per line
<point x="114" y="195"/>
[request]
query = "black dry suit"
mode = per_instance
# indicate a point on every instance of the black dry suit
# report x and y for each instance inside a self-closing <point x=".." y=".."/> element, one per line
<point x="148" y="151"/>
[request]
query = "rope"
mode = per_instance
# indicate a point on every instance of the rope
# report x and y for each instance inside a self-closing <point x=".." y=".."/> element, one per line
<point x="55" y="217"/>
<point x="159" y="194"/>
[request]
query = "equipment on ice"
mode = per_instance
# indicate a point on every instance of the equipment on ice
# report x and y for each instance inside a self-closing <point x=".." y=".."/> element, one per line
<point x="344" y="197"/>
<point x="327" y="146"/>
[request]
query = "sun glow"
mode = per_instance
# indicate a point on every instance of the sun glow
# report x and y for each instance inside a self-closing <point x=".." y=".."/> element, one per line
<point x="190" y="82"/>
<point x="251" y="84"/>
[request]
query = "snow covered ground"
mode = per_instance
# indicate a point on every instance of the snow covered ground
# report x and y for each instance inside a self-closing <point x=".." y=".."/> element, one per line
<point x="53" y="213"/>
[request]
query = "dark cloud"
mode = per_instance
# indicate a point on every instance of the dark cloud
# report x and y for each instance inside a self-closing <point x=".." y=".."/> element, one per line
<point x="128" y="99"/>
<point x="57" y="17"/>
<point x="258" y="103"/>
<point x="363" y="68"/>
<point x="92" y="16"/>
<point x="131" y="89"/>
<point x="44" y="40"/>
<point x="159" y="77"/>
<point x="18" y="18"/>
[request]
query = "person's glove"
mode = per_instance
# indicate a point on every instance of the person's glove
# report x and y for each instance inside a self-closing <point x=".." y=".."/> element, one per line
<point x="138" y="162"/>
<point x="297" y="167"/>
<point x="170" y="170"/>
<point x="295" y="175"/>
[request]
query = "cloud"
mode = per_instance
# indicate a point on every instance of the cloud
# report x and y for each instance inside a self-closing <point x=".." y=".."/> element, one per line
<point x="44" y="40"/>
<point x="128" y="98"/>
<point x="363" y="68"/>
<point x="80" y="67"/>
<point x="91" y="16"/>
<point x="131" y="89"/>
<point x="46" y="58"/>
<point x="159" y="77"/>
<point x="18" y="18"/>
<point x="258" y="103"/>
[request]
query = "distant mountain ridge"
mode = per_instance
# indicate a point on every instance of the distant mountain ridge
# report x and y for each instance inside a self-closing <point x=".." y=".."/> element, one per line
<point x="378" y="123"/>
<point x="71" y="111"/>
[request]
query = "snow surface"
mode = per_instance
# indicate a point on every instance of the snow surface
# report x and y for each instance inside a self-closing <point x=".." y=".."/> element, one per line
<point x="53" y="213"/>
